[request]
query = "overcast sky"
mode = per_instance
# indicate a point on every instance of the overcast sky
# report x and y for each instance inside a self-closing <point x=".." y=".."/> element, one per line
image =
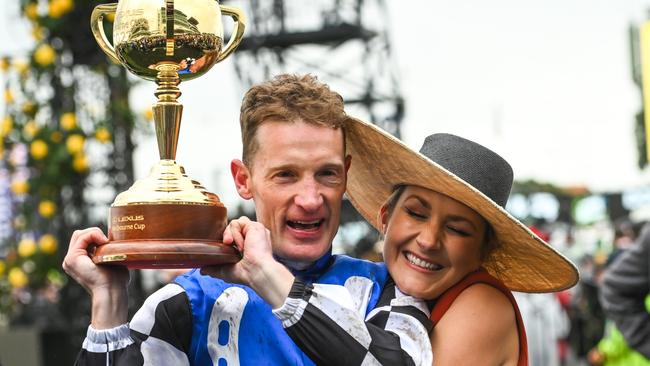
<point x="547" y="84"/>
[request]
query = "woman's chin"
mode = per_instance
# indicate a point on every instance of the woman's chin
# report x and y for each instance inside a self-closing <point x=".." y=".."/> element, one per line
<point x="425" y="291"/>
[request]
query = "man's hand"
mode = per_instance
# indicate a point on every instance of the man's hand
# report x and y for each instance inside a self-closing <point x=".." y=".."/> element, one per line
<point x="257" y="268"/>
<point x="107" y="285"/>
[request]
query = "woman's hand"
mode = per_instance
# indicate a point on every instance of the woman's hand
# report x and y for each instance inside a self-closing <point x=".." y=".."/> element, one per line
<point x="257" y="268"/>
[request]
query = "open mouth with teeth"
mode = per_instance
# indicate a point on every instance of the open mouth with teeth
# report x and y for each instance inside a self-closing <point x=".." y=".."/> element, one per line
<point x="418" y="262"/>
<point x="305" y="225"/>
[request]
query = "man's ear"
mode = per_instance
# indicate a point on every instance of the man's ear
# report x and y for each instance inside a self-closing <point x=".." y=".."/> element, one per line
<point x="348" y="162"/>
<point x="242" y="178"/>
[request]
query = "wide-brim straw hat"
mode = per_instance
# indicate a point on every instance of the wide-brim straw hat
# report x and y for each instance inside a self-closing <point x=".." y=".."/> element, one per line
<point x="468" y="173"/>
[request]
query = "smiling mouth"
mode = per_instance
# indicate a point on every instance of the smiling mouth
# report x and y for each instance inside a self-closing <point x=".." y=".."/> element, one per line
<point x="422" y="263"/>
<point x="305" y="225"/>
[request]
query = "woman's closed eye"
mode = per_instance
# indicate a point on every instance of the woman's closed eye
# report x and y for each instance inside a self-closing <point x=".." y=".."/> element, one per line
<point x="419" y="215"/>
<point x="459" y="231"/>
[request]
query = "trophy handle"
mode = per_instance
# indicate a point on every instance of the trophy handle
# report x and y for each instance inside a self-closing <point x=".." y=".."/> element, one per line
<point x="97" y="27"/>
<point x="237" y="33"/>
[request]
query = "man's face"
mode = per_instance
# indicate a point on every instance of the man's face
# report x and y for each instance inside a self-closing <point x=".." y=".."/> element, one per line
<point x="297" y="179"/>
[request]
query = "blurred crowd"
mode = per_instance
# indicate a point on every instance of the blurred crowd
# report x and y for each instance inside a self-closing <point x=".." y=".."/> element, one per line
<point x="571" y="327"/>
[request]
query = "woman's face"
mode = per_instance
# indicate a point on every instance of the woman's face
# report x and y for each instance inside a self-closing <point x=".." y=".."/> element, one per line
<point x="431" y="241"/>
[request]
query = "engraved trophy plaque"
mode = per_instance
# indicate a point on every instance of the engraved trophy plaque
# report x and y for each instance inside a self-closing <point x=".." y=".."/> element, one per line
<point x="166" y="220"/>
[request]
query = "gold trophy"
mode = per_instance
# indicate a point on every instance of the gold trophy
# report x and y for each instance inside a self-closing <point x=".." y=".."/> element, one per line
<point x="166" y="220"/>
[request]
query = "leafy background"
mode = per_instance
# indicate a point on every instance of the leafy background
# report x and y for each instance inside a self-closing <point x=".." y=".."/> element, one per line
<point x="66" y="150"/>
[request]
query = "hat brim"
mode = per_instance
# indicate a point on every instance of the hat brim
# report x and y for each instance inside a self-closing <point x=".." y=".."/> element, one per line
<point x="380" y="162"/>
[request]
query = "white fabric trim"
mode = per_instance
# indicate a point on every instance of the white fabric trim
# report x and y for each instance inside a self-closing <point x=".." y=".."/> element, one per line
<point x="291" y="311"/>
<point x="107" y="340"/>
<point x="375" y="311"/>
<point x="229" y="307"/>
<point x="414" y="338"/>
<point x="370" y="360"/>
<point x="143" y="320"/>
<point x="360" y="289"/>
<point x="337" y="303"/>
<point x="156" y="352"/>
<point x="402" y="299"/>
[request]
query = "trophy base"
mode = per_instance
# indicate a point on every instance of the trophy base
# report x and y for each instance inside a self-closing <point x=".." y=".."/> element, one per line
<point x="148" y="254"/>
<point x="165" y="235"/>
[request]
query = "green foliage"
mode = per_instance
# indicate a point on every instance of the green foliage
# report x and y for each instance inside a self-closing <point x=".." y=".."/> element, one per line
<point x="64" y="105"/>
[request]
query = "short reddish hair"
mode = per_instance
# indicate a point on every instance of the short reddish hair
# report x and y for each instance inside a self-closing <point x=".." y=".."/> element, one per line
<point x="288" y="98"/>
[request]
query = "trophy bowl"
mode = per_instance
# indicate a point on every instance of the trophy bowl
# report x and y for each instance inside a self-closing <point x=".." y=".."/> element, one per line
<point x="166" y="220"/>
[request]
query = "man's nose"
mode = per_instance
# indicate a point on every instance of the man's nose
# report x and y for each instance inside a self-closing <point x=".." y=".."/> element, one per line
<point x="310" y="197"/>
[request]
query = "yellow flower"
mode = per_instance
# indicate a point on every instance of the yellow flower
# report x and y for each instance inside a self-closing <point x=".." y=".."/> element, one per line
<point x="47" y="208"/>
<point x="9" y="96"/>
<point x="19" y="187"/>
<point x="29" y="107"/>
<point x="48" y="244"/>
<point x="3" y="267"/>
<point x="31" y="11"/>
<point x="68" y="121"/>
<point x="26" y="248"/>
<point x="38" y="149"/>
<point x="38" y="33"/>
<point x="59" y="7"/>
<point x="21" y="66"/>
<point x="102" y="135"/>
<point x="56" y="136"/>
<point x="80" y="163"/>
<point x="55" y="10"/>
<point x="44" y="55"/>
<point x="75" y="143"/>
<point x="17" y="278"/>
<point x="148" y="114"/>
<point x="4" y="64"/>
<point x="6" y="126"/>
<point x="31" y="129"/>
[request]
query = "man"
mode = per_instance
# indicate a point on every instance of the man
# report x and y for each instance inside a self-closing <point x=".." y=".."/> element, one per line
<point x="625" y="288"/>
<point x="294" y="168"/>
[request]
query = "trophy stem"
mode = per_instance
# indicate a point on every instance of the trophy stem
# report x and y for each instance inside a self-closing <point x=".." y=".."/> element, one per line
<point x="167" y="111"/>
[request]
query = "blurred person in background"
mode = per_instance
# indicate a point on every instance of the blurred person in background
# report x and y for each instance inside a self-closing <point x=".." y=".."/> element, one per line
<point x="585" y="312"/>
<point x="613" y="350"/>
<point x="624" y="292"/>
<point x="546" y="324"/>
<point x="545" y="320"/>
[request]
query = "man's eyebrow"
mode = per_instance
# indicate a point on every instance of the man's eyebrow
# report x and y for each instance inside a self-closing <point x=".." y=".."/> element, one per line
<point x="282" y="166"/>
<point x="337" y="166"/>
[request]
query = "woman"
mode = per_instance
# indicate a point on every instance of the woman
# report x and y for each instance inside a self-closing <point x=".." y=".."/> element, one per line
<point x="447" y="238"/>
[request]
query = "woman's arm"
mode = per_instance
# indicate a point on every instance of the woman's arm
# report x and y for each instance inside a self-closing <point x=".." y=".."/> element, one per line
<point x="478" y="329"/>
<point x="325" y="324"/>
